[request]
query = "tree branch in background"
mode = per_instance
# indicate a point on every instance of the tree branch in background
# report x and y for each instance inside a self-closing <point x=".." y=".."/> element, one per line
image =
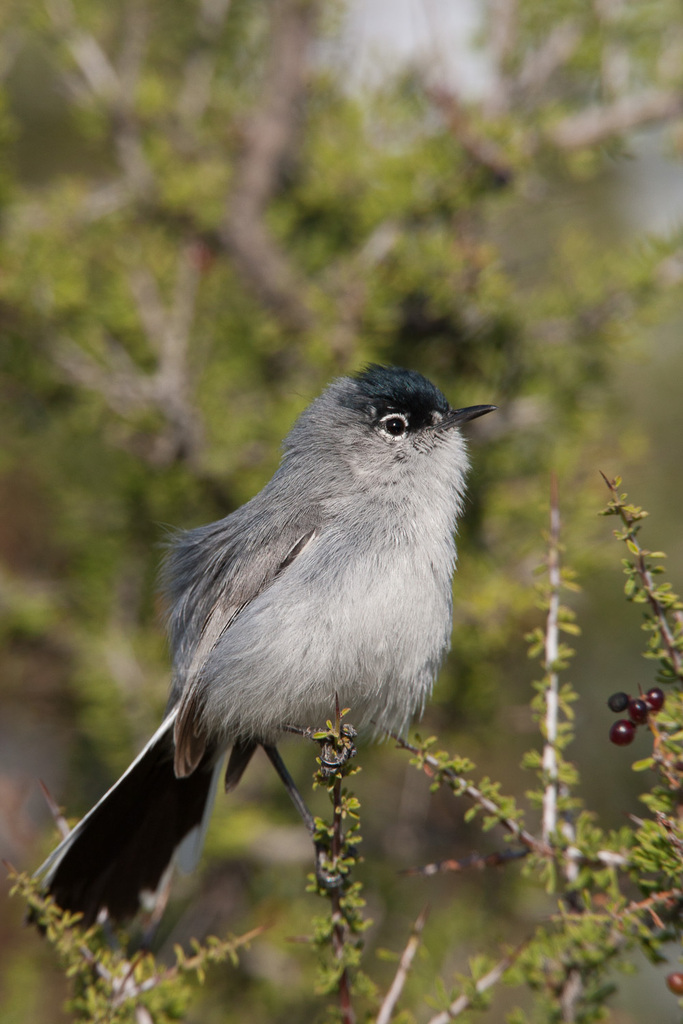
<point x="481" y="149"/>
<point x="502" y="26"/>
<point x="127" y="389"/>
<point x="542" y="63"/>
<point x="552" y="646"/>
<point x="114" y="89"/>
<point x="268" y="136"/>
<point x="597" y="124"/>
<point x="200" y="66"/>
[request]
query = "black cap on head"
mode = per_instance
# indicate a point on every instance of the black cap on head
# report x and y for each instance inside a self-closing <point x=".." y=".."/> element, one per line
<point x="382" y="389"/>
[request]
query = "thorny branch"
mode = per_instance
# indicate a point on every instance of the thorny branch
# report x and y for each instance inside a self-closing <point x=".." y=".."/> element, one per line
<point x="335" y="848"/>
<point x="432" y="765"/>
<point x="551" y="690"/>
<point x="671" y="899"/>
<point x="405" y="963"/>
<point x="630" y="518"/>
<point x="339" y="933"/>
<point x="463" y="1002"/>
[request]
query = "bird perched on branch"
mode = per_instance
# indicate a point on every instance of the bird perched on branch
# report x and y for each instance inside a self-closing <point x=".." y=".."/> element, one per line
<point x="332" y="584"/>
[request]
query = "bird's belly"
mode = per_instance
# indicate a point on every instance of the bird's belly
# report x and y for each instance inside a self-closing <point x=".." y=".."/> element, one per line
<point x="370" y="630"/>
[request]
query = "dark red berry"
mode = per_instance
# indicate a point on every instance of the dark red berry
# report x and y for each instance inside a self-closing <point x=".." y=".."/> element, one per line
<point x="654" y="699"/>
<point x="618" y="702"/>
<point x="622" y="732"/>
<point x="637" y="710"/>
<point x="675" y="982"/>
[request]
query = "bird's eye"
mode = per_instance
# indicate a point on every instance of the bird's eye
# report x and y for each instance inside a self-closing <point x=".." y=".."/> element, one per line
<point x="394" y="423"/>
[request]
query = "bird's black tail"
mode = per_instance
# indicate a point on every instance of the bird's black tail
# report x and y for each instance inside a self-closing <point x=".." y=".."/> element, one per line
<point x="120" y="850"/>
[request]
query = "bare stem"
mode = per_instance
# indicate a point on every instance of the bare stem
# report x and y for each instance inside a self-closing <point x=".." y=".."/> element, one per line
<point x="407" y="957"/>
<point x="552" y="703"/>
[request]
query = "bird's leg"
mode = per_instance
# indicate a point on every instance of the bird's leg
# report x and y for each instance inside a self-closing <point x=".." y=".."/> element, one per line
<point x="296" y="797"/>
<point x="325" y="878"/>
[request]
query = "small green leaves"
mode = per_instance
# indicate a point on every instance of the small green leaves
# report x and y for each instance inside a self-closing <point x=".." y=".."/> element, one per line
<point x="111" y="987"/>
<point x="338" y="936"/>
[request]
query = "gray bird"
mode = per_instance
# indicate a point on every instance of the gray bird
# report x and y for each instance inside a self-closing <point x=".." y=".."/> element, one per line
<point x="333" y="582"/>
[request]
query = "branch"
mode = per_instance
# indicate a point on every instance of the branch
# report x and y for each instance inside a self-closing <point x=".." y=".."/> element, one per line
<point x="503" y="30"/>
<point x="481" y="149"/>
<point x="475" y="860"/>
<point x="405" y="963"/>
<point x="267" y="138"/>
<point x="551" y="690"/>
<point x="200" y="66"/>
<point x="61" y="824"/>
<point x="463" y="1002"/>
<point x="543" y="61"/>
<point x="475" y="794"/>
<point x="113" y="90"/>
<point x="340" y="933"/>
<point x="117" y="379"/>
<point x="630" y="518"/>
<point x="599" y="123"/>
<point x="128" y="390"/>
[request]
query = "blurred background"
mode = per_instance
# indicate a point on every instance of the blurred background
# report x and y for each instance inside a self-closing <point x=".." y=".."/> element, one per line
<point x="207" y="210"/>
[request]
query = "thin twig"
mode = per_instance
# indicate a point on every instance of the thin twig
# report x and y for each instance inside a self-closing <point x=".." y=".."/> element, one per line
<point x="551" y="688"/>
<point x="463" y="1002"/>
<point x="669" y="899"/>
<point x="475" y="794"/>
<point x="474" y="861"/>
<point x="407" y="957"/>
<point x="57" y="816"/>
<point x="647" y="582"/>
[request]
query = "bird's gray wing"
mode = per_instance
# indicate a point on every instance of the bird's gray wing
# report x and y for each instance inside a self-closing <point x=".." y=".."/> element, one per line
<point x="211" y="574"/>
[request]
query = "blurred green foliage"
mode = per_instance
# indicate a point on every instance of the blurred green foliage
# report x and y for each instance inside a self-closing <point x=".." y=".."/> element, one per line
<point x="200" y="224"/>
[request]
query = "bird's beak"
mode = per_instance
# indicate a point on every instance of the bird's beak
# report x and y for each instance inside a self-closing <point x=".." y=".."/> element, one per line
<point x="472" y="412"/>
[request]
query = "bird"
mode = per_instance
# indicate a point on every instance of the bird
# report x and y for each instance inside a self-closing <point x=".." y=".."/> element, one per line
<point x="331" y="586"/>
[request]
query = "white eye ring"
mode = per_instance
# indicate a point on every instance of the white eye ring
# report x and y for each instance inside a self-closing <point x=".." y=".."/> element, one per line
<point x="395" y="424"/>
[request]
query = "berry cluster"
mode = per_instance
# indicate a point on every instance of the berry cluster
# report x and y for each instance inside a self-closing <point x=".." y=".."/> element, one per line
<point x="623" y="730"/>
